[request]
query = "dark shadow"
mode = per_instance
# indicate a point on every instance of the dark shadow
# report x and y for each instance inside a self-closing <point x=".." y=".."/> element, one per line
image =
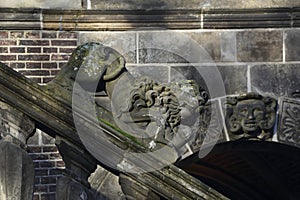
<point x="249" y="170"/>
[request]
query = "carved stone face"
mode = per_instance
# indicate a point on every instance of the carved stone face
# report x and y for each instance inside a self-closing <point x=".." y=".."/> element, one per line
<point x="251" y="114"/>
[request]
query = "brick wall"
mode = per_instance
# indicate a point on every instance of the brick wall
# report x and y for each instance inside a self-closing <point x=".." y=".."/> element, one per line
<point x="39" y="55"/>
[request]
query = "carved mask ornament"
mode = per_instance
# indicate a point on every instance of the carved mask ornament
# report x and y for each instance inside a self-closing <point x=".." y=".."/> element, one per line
<point x="250" y="115"/>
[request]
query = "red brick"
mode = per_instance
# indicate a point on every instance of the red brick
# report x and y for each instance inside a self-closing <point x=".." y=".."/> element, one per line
<point x="48" y="196"/>
<point x="16" y="34"/>
<point x="67" y="35"/>
<point x="17" y="50"/>
<point x="3" y="34"/>
<point x="47" y="79"/>
<point x="33" y="34"/>
<point x="51" y="65"/>
<point x="17" y="65"/>
<point x="49" y="35"/>
<point x="8" y="42"/>
<point x="39" y="157"/>
<point x="37" y="180"/>
<point x="52" y="188"/>
<point x="34" y="57"/>
<point x="36" y="164"/>
<point x="47" y="164"/>
<point x="50" y="149"/>
<point x="49" y="50"/>
<point x="59" y="57"/>
<point x="34" y="149"/>
<point x="48" y="180"/>
<point x="55" y="172"/>
<point x="36" y="197"/>
<point x="53" y="156"/>
<point x="66" y="50"/>
<point x="34" y="42"/>
<point x="64" y="42"/>
<point x="3" y="50"/>
<point x="41" y="188"/>
<point x="34" y="49"/>
<point x="7" y="57"/>
<point x="41" y="172"/>
<point x="32" y="65"/>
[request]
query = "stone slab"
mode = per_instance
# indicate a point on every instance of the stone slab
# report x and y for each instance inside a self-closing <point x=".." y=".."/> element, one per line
<point x="292" y="44"/>
<point x="275" y="79"/>
<point x="234" y="77"/>
<point x="158" y="73"/>
<point x="123" y="42"/>
<point x="59" y="4"/>
<point x="188" y="4"/>
<point x="176" y="47"/>
<point x="259" y="46"/>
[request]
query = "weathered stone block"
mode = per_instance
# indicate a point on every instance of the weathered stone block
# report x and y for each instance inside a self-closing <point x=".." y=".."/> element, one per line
<point x="220" y="46"/>
<point x="46" y="139"/>
<point x="123" y="42"/>
<point x="187" y="73"/>
<point x="70" y="4"/>
<point x="233" y="77"/>
<point x="157" y="73"/>
<point x="289" y="122"/>
<point x="259" y="46"/>
<point x="34" y="140"/>
<point x="210" y="42"/>
<point x="292" y="45"/>
<point x="177" y="47"/>
<point x="228" y="47"/>
<point x="275" y="79"/>
<point x="188" y="4"/>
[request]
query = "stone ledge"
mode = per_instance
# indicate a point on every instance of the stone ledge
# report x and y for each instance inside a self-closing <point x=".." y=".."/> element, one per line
<point x="102" y="20"/>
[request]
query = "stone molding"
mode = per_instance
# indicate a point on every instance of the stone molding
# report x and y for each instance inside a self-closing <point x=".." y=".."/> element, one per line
<point x="102" y="20"/>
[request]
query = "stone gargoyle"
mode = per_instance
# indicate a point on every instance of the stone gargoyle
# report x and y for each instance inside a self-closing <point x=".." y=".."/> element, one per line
<point x="158" y="113"/>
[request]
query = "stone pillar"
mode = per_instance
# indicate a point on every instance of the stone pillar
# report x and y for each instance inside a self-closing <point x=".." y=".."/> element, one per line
<point x="16" y="166"/>
<point x="80" y="164"/>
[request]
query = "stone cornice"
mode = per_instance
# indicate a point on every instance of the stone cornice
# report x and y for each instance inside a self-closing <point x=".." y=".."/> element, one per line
<point x="113" y="20"/>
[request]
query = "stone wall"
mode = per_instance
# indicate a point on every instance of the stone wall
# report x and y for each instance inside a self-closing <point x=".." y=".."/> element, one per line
<point x="259" y="55"/>
<point x="259" y="60"/>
